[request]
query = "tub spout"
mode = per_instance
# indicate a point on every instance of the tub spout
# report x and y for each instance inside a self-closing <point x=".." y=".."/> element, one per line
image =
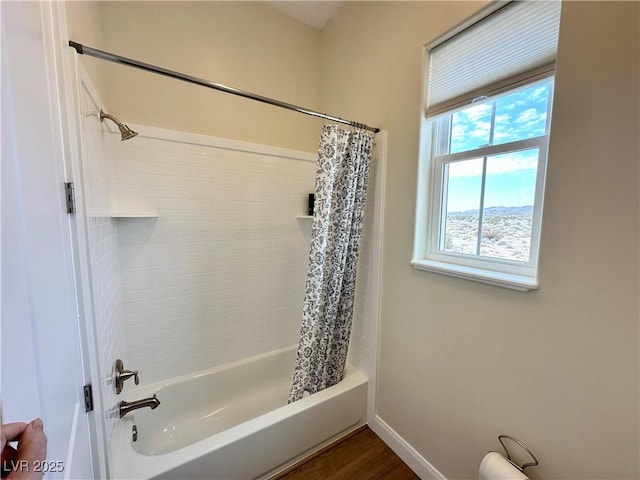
<point x="126" y="407"/>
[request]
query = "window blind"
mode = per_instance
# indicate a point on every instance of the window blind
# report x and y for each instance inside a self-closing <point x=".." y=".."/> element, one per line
<point x="513" y="45"/>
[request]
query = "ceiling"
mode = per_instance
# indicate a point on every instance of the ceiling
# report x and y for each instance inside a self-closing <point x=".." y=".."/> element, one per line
<point x="310" y="12"/>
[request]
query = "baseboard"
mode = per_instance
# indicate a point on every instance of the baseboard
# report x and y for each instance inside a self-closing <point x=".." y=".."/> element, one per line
<point x="406" y="452"/>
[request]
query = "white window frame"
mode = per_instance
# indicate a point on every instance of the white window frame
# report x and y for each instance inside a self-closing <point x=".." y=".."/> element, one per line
<point x="430" y="213"/>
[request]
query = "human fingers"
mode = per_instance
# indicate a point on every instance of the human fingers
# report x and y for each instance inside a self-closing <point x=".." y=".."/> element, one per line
<point x="32" y="448"/>
<point x="11" y="432"/>
<point x="33" y="442"/>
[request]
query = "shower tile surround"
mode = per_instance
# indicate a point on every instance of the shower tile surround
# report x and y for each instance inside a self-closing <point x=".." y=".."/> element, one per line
<point x="220" y="274"/>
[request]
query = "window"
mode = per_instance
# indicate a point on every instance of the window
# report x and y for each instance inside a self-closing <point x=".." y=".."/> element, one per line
<point x="484" y="147"/>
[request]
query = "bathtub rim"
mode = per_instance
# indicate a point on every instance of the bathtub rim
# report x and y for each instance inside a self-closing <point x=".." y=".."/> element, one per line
<point x="128" y="463"/>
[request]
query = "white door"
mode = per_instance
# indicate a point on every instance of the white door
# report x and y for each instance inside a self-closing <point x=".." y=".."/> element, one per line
<point x="42" y="359"/>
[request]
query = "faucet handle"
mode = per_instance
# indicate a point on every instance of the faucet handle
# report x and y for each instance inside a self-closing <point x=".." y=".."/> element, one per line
<point x="120" y="375"/>
<point x="127" y="374"/>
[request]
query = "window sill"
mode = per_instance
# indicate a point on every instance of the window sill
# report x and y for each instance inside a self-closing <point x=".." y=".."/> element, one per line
<point x="498" y="279"/>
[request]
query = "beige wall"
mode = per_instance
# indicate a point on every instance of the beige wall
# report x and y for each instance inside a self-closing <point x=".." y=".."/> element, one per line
<point x="461" y="362"/>
<point x="84" y="26"/>
<point x="246" y="45"/>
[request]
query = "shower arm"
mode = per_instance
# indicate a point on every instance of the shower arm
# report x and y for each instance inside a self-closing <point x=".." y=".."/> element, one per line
<point x="111" y="57"/>
<point x="110" y="117"/>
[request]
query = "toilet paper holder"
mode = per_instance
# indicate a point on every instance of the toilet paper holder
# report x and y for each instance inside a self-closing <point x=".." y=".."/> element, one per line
<point x="524" y="447"/>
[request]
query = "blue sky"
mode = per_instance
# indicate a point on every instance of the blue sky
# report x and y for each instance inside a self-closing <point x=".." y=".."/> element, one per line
<point x="510" y="177"/>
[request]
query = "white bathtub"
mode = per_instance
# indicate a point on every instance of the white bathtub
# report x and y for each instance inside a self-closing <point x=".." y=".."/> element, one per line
<point x="233" y="422"/>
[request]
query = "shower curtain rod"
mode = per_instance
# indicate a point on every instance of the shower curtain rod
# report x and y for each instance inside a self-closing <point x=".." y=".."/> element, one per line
<point x="84" y="50"/>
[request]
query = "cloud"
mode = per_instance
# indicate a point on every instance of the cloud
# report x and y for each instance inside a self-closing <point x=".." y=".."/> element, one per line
<point x="496" y="165"/>
<point x="528" y="115"/>
<point x="471" y="128"/>
<point x="466" y="168"/>
<point x="477" y="112"/>
<point x="528" y="124"/>
<point x="513" y="162"/>
<point x="521" y="115"/>
<point x="540" y="93"/>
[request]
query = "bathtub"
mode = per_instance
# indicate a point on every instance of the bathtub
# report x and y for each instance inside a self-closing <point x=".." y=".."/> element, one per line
<point x="233" y="422"/>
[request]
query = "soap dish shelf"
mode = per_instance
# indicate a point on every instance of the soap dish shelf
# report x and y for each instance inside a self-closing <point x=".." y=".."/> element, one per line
<point x="134" y="214"/>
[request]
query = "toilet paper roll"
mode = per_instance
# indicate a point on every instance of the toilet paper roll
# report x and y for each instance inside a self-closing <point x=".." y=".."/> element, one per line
<point x="495" y="467"/>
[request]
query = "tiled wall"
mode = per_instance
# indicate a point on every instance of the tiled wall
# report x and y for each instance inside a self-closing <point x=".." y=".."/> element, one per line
<point x="107" y="299"/>
<point x="219" y="275"/>
<point x="103" y="252"/>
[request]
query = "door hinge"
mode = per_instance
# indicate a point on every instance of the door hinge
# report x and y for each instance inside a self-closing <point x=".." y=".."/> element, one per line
<point x="70" y="196"/>
<point x="88" y="398"/>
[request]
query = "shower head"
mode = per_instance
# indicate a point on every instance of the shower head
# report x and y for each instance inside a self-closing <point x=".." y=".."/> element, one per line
<point x="125" y="132"/>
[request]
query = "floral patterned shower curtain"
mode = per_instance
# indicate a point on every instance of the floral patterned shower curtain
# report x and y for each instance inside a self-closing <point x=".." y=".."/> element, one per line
<point x="344" y="157"/>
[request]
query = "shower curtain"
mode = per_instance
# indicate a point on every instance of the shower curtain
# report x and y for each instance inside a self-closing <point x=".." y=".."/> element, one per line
<point x="343" y="163"/>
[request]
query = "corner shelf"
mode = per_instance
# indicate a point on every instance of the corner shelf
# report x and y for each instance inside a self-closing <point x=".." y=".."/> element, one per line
<point x="133" y="214"/>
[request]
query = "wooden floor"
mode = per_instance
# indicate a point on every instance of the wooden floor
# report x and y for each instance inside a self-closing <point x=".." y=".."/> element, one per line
<point x="362" y="456"/>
